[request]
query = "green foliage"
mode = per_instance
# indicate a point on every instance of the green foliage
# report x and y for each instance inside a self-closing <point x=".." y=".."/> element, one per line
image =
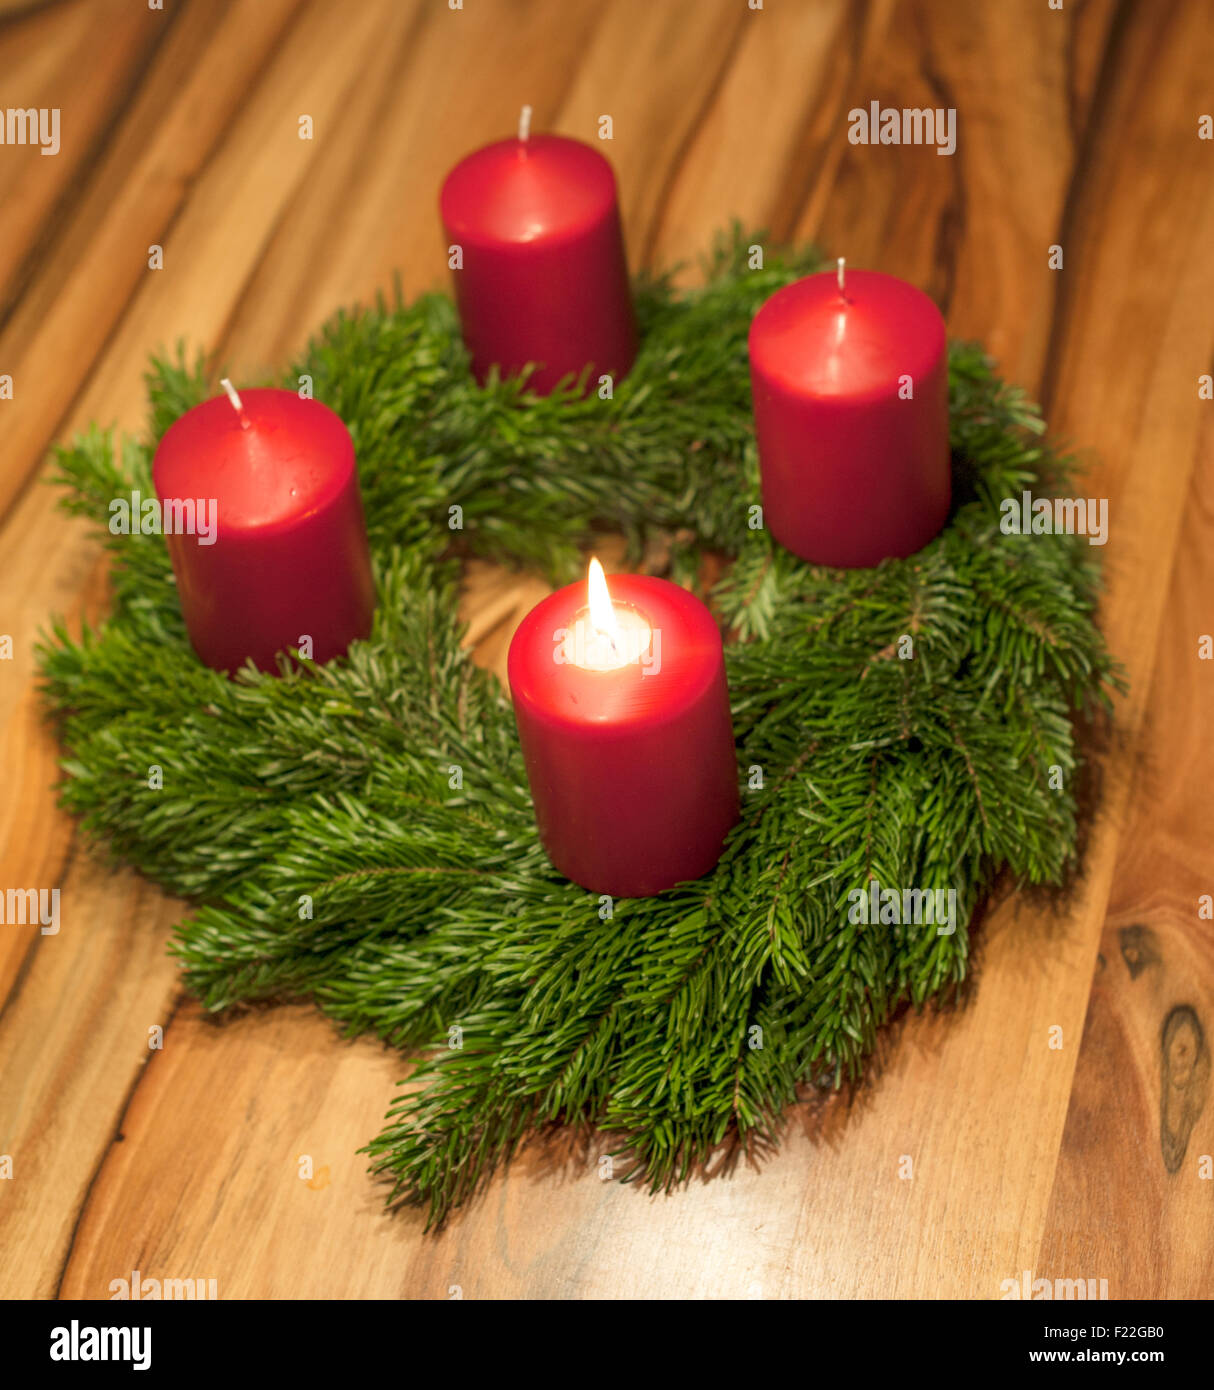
<point x="435" y="909"/>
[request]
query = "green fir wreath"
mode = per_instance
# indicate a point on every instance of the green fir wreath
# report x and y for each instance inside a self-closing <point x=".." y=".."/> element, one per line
<point x="688" y="1021"/>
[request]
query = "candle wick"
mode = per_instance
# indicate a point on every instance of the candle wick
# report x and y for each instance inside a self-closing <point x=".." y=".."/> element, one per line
<point x="237" y="403"/>
<point x="607" y="632"/>
<point x="524" y="124"/>
<point x="839" y="272"/>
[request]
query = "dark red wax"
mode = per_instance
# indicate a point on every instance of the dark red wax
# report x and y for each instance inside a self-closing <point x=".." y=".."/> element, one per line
<point x="634" y="777"/>
<point x="290" y="558"/>
<point x="544" y="275"/>
<point x="850" y="472"/>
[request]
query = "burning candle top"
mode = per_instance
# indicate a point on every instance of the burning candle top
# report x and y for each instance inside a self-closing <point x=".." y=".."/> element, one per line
<point x="607" y="636"/>
<point x="537" y="249"/>
<point x="623" y="715"/>
<point x="616" y="658"/>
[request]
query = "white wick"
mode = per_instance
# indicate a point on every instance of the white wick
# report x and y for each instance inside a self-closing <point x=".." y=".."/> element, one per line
<point x="237" y="403"/>
<point x="839" y="273"/>
<point x="524" y="123"/>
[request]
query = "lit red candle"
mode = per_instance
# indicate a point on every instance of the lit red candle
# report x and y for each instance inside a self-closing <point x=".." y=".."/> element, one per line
<point x="850" y="385"/>
<point x="289" y="559"/>
<point x="544" y="278"/>
<point x="623" y="715"/>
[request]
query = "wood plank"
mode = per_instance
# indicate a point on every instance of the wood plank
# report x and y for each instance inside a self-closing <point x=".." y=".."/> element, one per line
<point x="73" y="1039"/>
<point x="973" y="228"/>
<point x="368" y="210"/>
<point x="93" y="267"/>
<point x="1131" y="1199"/>
<point x="80" y="59"/>
<point x="774" y="113"/>
<point x="235" y="202"/>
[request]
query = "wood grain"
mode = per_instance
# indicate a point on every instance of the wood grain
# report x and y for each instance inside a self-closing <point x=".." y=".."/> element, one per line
<point x="1076" y="128"/>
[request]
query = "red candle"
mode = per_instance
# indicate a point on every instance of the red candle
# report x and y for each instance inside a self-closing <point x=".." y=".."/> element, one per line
<point x="623" y="714"/>
<point x="850" y="386"/>
<point x="288" y="559"/>
<point x="544" y="277"/>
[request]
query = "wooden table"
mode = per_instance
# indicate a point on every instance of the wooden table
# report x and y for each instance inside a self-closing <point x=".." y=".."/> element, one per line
<point x="180" y="128"/>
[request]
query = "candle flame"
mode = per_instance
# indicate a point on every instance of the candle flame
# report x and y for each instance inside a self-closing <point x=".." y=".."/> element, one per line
<point x="602" y="610"/>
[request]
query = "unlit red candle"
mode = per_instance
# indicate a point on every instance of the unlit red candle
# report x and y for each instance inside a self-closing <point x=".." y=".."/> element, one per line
<point x="849" y="374"/>
<point x="623" y="715"/>
<point x="289" y="561"/>
<point x="541" y="276"/>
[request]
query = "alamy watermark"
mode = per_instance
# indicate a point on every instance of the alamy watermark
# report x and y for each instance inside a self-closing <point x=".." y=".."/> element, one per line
<point x="30" y="125"/>
<point x="21" y="907"/>
<point x="174" y="516"/>
<point x="1026" y="1287"/>
<point x="139" y="1287"/>
<point x="908" y="125"/>
<point x="593" y="649"/>
<point x="889" y="907"/>
<point x="1027" y="515"/>
<point x="77" y="1342"/>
